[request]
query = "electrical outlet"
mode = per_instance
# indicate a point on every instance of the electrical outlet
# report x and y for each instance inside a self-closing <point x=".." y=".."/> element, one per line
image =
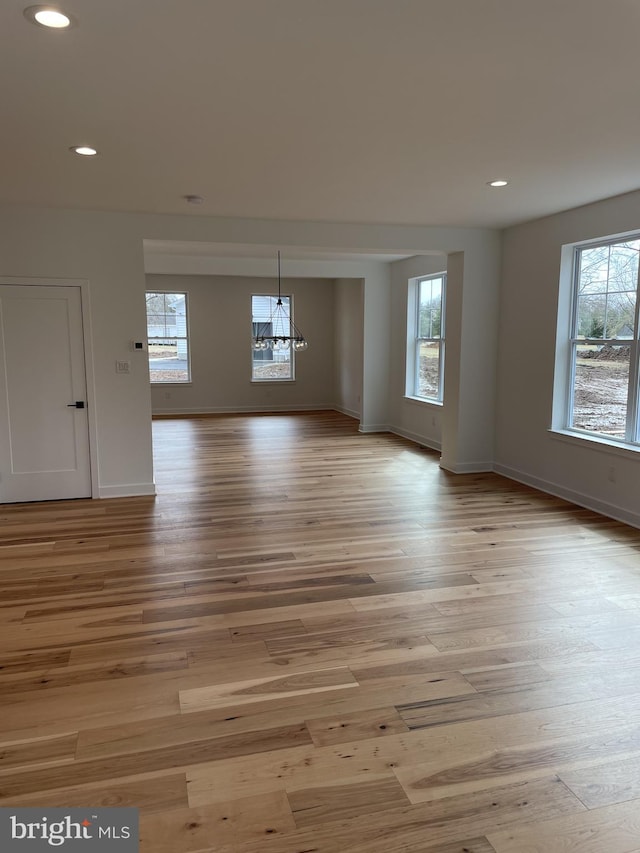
<point x="612" y="474"/>
<point x="123" y="367"/>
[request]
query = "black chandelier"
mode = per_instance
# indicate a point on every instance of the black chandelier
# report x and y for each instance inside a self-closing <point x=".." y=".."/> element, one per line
<point x="279" y="332"/>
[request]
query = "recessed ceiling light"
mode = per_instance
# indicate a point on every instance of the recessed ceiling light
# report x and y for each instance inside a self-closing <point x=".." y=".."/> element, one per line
<point x="498" y="183"/>
<point x="83" y="150"/>
<point x="49" y="16"/>
<point x="193" y="199"/>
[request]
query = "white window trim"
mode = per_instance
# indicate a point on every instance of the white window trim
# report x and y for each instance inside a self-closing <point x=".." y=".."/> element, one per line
<point x="607" y="445"/>
<point x="423" y="401"/>
<point x="562" y="409"/>
<point x="272" y="380"/>
<point x="186" y="337"/>
<point x="412" y="355"/>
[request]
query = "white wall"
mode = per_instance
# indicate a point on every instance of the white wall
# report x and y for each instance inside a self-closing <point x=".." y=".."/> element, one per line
<point x="220" y="338"/>
<point x="349" y="347"/>
<point x="415" y="419"/>
<point x="525" y="449"/>
<point x="107" y="251"/>
<point x="104" y="250"/>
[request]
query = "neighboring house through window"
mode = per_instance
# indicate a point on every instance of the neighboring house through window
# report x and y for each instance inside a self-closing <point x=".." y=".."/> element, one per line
<point x="168" y="337"/>
<point x="603" y="371"/>
<point x="425" y="338"/>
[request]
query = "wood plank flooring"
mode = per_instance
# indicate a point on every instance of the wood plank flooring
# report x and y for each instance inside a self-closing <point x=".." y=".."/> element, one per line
<point x="316" y="641"/>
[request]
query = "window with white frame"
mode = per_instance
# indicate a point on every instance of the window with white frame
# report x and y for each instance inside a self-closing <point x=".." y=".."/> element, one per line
<point x="425" y="337"/>
<point x="275" y="363"/>
<point x="168" y="337"/>
<point x="602" y="397"/>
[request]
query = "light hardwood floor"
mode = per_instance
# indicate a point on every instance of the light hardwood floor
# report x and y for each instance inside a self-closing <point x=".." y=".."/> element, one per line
<point x="316" y="641"/>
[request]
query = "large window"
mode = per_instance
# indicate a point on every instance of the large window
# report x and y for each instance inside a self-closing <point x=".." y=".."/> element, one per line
<point x="603" y="374"/>
<point x="425" y="337"/>
<point x="167" y="337"/>
<point x="275" y="363"/>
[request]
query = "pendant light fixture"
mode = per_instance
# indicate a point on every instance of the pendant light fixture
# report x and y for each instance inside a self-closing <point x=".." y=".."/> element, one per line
<point x="279" y="332"/>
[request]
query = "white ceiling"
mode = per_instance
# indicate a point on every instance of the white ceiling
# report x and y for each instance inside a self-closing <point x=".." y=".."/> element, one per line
<point x="373" y="111"/>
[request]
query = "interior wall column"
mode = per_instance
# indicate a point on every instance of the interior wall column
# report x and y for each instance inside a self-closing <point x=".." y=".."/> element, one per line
<point x="376" y="348"/>
<point x="468" y="418"/>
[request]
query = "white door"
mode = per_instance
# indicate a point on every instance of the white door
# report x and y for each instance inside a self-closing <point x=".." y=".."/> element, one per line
<point x="44" y="437"/>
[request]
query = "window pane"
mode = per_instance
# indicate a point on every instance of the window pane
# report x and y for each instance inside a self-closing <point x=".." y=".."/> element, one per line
<point x="169" y="360"/>
<point x="265" y="309"/>
<point x="606" y="315"/>
<point x="166" y="314"/>
<point x="607" y="290"/>
<point x="276" y="367"/>
<point x="621" y="308"/>
<point x="591" y="315"/>
<point x="156" y="315"/>
<point x="427" y="378"/>
<point x="600" y="389"/>
<point x="429" y="308"/>
<point x="623" y="266"/>
<point x="594" y="267"/>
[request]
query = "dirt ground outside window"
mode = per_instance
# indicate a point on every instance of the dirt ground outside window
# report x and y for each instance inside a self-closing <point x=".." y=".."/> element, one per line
<point x="601" y="389"/>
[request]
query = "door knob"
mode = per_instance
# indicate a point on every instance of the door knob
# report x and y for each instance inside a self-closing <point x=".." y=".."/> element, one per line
<point x="79" y="404"/>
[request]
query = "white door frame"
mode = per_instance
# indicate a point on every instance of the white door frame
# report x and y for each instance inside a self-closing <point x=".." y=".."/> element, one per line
<point x="87" y="337"/>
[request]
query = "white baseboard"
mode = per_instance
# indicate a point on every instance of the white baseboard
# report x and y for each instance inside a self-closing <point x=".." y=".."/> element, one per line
<point x="422" y="440"/>
<point x="349" y="412"/>
<point x="587" y="501"/>
<point x="129" y="490"/>
<point x="243" y="410"/>
<point x="373" y="428"/>
<point x="468" y="467"/>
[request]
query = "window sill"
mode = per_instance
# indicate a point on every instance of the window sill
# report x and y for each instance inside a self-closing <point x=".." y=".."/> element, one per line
<point x="169" y="384"/>
<point x="273" y="381"/>
<point x="602" y="445"/>
<point x="422" y="401"/>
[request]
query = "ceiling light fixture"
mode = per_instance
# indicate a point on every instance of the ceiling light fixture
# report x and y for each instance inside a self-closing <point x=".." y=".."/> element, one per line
<point x="497" y="183"/>
<point x="279" y="332"/>
<point x="49" y="16"/>
<point x="83" y="150"/>
<point x="193" y="199"/>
